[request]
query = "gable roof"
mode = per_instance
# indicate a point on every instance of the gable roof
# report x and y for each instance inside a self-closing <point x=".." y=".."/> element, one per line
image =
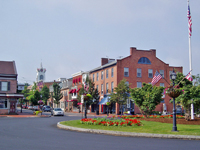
<point x="8" y="67"/>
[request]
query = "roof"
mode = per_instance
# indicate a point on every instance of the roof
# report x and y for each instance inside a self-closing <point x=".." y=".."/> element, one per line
<point x="104" y="66"/>
<point x="8" y="67"/>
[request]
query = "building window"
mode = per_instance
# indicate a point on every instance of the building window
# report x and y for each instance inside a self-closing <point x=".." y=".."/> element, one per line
<point x="162" y="84"/>
<point x="97" y="87"/>
<point x="127" y="83"/>
<point x="41" y="77"/>
<point x="106" y="88"/>
<point x="162" y="73"/>
<point x="112" y="87"/>
<point x="126" y="72"/>
<point x="93" y="78"/>
<point x="112" y="72"/>
<point x="5" y="86"/>
<point x="170" y="72"/>
<point x="101" y="88"/>
<point x="139" y="72"/>
<point x="144" y="60"/>
<point x="97" y="76"/>
<point x="101" y="75"/>
<point x="106" y="73"/>
<point x="139" y="84"/>
<point x="150" y="73"/>
<point x="3" y="103"/>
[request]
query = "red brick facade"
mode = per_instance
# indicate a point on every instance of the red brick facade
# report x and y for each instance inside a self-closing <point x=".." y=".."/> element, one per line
<point x="131" y="62"/>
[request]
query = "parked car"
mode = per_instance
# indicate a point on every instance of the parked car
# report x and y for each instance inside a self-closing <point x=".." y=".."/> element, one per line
<point x="24" y="106"/>
<point x="35" y="108"/>
<point x="30" y="107"/>
<point x="57" y="112"/>
<point x="46" y="108"/>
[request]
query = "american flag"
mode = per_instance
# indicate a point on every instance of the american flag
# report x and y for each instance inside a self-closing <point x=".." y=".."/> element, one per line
<point x="189" y="77"/>
<point x="157" y="77"/>
<point x="189" y="20"/>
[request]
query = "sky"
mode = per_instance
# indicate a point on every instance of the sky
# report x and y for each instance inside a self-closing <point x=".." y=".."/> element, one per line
<point x="69" y="36"/>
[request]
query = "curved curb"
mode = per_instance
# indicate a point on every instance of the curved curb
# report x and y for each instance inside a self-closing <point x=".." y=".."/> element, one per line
<point x="131" y="134"/>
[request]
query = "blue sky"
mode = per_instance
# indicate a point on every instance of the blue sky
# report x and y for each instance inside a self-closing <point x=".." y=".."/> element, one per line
<point x="73" y="35"/>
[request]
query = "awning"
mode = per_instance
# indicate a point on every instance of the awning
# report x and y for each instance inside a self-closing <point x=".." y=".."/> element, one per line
<point x="72" y="100"/>
<point x="70" y="91"/>
<point x="78" y="90"/>
<point x="103" y="101"/>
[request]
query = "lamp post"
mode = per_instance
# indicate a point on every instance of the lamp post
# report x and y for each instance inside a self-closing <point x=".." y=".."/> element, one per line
<point x="174" y="128"/>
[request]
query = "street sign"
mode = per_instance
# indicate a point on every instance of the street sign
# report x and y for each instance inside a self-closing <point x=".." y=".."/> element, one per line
<point x="82" y="99"/>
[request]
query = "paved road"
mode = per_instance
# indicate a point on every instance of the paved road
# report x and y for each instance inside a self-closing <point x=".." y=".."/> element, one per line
<point x="42" y="134"/>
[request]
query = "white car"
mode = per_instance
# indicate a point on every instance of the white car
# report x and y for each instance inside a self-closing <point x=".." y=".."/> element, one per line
<point x="57" y="112"/>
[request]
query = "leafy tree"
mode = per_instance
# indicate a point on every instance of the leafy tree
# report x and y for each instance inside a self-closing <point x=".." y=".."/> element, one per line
<point x="57" y="95"/>
<point x="191" y="94"/>
<point x="147" y="97"/>
<point x="120" y="94"/>
<point x="45" y="94"/>
<point x="34" y="95"/>
<point x="26" y="92"/>
<point x="89" y="89"/>
<point x="196" y="80"/>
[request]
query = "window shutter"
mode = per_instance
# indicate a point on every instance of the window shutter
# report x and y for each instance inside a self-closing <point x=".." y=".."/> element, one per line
<point x="0" y="85"/>
<point x="8" y="86"/>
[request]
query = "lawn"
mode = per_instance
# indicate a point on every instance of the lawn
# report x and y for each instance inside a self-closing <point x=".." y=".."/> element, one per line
<point x="148" y="127"/>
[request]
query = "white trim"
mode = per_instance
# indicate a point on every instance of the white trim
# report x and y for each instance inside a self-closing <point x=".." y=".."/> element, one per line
<point x="77" y="74"/>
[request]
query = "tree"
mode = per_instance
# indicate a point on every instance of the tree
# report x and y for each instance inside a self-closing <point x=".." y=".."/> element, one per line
<point x="147" y="98"/>
<point x="89" y="89"/>
<point x="191" y="94"/>
<point x="34" y="95"/>
<point x="57" y="95"/>
<point x="45" y="94"/>
<point x="120" y="94"/>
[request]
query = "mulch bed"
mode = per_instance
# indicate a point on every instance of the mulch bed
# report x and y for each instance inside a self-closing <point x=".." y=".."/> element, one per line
<point x="196" y="121"/>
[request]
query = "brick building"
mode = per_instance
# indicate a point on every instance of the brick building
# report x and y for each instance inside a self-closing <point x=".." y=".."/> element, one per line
<point x="8" y="87"/>
<point x="140" y="66"/>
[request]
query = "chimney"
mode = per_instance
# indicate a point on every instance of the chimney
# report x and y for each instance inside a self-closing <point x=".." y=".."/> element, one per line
<point x="132" y="49"/>
<point x="153" y="51"/>
<point x="104" y="61"/>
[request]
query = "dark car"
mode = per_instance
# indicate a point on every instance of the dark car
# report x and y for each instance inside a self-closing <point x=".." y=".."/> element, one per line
<point x="46" y="108"/>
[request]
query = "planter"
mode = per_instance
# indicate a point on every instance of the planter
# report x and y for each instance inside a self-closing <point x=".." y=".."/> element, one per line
<point x="86" y="98"/>
<point x="173" y="93"/>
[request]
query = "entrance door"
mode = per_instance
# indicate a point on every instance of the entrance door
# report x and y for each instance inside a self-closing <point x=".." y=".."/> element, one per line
<point x="12" y="106"/>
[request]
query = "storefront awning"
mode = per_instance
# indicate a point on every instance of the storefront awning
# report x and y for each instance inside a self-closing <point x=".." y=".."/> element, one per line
<point x="103" y="101"/>
<point x="72" y="100"/>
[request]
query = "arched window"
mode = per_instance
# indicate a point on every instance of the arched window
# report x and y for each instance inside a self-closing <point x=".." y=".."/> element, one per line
<point x="41" y="77"/>
<point x="144" y="60"/>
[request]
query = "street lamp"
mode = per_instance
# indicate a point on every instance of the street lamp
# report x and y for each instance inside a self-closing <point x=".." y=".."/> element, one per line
<point x="173" y="77"/>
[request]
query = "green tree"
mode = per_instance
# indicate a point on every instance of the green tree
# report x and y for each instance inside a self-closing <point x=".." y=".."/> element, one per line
<point x="89" y="89"/>
<point x="57" y="95"/>
<point x="147" y="98"/>
<point x="120" y="94"/>
<point x="191" y="94"/>
<point x="45" y="94"/>
<point x="34" y="95"/>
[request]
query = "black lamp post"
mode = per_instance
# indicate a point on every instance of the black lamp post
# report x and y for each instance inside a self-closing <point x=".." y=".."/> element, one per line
<point x="173" y="77"/>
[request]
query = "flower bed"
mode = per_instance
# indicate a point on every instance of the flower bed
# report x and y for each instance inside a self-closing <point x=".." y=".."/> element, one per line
<point x="151" y="116"/>
<point x="111" y="121"/>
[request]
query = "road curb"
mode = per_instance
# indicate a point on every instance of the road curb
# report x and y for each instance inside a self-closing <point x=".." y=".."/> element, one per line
<point x="130" y="134"/>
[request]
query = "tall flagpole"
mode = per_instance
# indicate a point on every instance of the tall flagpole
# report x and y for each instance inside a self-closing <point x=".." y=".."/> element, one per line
<point x="190" y="52"/>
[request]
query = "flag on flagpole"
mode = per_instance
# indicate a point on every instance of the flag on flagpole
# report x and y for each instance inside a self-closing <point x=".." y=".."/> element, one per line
<point x="189" y="20"/>
<point x="157" y="77"/>
<point x="189" y="76"/>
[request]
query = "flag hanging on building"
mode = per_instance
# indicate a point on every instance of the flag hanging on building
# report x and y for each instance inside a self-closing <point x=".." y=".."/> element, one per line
<point x="157" y="77"/>
<point x="189" y="20"/>
<point x="189" y="76"/>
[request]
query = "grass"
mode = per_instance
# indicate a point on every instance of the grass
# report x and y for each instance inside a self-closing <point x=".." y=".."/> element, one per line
<point x="148" y="127"/>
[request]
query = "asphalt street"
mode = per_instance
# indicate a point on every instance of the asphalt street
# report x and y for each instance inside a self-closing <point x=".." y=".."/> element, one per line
<point x="43" y="134"/>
